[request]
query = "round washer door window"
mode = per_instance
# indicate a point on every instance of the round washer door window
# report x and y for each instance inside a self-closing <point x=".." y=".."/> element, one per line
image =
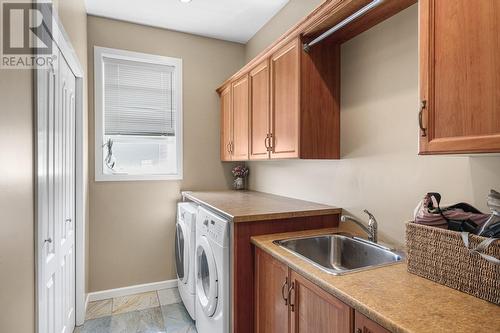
<point x="206" y="277"/>
<point x="181" y="253"/>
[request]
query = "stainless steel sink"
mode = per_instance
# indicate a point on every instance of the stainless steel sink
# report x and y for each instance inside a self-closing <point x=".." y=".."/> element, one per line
<point x="339" y="254"/>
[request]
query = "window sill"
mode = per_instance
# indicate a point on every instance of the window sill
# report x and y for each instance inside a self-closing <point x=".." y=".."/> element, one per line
<point x="126" y="178"/>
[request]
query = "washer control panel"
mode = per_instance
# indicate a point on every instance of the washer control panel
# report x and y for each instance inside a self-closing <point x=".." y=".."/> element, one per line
<point x="213" y="226"/>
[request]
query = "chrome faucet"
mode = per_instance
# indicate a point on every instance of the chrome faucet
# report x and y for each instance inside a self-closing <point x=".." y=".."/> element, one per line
<point x="371" y="230"/>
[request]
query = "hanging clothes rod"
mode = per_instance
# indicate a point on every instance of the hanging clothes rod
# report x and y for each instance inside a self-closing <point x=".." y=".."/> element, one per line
<point x="343" y="23"/>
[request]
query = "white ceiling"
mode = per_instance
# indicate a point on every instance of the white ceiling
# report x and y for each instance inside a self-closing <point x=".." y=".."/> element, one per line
<point x="232" y="20"/>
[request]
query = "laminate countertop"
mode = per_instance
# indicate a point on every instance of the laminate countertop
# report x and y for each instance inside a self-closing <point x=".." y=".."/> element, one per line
<point x="249" y="206"/>
<point x="392" y="297"/>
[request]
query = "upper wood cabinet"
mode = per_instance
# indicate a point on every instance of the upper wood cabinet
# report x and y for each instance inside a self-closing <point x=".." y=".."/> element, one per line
<point x="285" y="97"/>
<point x="240" y="96"/>
<point x="459" y="76"/>
<point x="234" y="102"/>
<point x="294" y="95"/>
<point x="226" y="127"/>
<point x="292" y="99"/>
<point x="259" y="112"/>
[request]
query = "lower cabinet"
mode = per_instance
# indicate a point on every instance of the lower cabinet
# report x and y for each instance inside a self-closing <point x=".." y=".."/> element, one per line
<point x="314" y="310"/>
<point x="271" y="289"/>
<point x="287" y="302"/>
<point x="364" y="325"/>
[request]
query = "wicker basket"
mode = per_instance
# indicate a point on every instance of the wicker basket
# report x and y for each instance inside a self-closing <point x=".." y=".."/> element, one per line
<point x="441" y="256"/>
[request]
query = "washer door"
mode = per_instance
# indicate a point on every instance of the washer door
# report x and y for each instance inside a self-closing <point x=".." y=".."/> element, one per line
<point x="182" y="252"/>
<point x="206" y="277"/>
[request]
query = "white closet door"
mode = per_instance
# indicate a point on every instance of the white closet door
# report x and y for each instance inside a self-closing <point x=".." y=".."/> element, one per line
<point x="67" y="197"/>
<point x="56" y="198"/>
<point x="47" y="211"/>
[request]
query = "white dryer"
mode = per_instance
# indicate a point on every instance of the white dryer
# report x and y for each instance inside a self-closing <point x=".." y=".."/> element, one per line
<point x="212" y="273"/>
<point x="185" y="242"/>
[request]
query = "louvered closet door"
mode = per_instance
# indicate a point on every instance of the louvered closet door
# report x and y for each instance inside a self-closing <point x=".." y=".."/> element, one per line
<point x="56" y="191"/>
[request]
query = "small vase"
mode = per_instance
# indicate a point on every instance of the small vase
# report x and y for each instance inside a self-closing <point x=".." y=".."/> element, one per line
<point x="239" y="183"/>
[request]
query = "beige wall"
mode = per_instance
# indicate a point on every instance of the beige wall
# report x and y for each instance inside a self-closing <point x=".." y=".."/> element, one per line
<point x="17" y="259"/>
<point x="287" y="17"/>
<point x="380" y="169"/>
<point x="133" y="223"/>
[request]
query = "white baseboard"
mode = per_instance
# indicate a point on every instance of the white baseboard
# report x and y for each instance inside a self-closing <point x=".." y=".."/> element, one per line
<point x="130" y="290"/>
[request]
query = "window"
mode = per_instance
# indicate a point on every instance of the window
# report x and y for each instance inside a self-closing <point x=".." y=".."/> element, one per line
<point x="138" y="116"/>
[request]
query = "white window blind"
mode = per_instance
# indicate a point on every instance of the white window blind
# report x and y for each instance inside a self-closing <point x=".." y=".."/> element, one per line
<point x="138" y="116"/>
<point x="139" y="98"/>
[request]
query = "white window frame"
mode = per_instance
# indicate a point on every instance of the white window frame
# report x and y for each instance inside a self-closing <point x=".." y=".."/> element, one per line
<point x="99" y="54"/>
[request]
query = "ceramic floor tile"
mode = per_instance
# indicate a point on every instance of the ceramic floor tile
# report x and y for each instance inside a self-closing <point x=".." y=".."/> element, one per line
<point x="99" y="309"/>
<point x="99" y="325"/>
<point x="142" y="321"/>
<point x="171" y="318"/>
<point x="135" y="302"/>
<point x="177" y="319"/>
<point x="169" y="296"/>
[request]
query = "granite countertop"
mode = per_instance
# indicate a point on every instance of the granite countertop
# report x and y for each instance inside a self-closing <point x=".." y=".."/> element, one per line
<point x="246" y="206"/>
<point x="392" y="297"/>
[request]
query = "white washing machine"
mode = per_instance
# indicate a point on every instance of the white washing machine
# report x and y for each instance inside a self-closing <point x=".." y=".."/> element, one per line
<point x="185" y="242"/>
<point x="212" y="273"/>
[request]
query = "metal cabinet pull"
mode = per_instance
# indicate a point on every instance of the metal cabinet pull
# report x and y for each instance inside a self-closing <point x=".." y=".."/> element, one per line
<point x="266" y="142"/>
<point x="420" y="120"/>
<point x="292" y="306"/>
<point x="228" y="147"/>
<point x="283" y="288"/>
<point x="48" y="240"/>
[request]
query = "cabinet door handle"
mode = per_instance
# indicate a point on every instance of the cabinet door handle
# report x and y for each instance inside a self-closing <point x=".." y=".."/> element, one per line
<point x="266" y="142"/>
<point x="228" y="147"/>
<point x="420" y="120"/>
<point x="292" y="306"/>
<point x="283" y="288"/>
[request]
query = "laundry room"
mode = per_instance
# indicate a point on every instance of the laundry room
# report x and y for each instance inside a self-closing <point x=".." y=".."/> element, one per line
<point x="235" y="166"/>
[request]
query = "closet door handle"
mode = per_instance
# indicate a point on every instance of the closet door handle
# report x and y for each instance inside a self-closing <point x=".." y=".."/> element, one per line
<point x="283" y="288"/>
<point x="292" y="306"/>
<point x="423" y="105"/>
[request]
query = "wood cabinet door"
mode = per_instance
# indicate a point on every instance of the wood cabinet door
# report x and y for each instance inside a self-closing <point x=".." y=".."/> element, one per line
<point x="271" y="287"/>
<point x="285" y="101"/>
<point x="259" y="112"/>
<point x="240" y="94"/>
<point x="364" y="325"/>
<point x="226" y="126"/>
<point x="315" y="310"/>
<point x="459" y="76"/>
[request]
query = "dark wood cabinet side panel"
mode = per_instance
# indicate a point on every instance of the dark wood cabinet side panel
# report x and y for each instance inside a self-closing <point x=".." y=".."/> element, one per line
<point x="320" y="101"/>
<point x="243" y="293"/>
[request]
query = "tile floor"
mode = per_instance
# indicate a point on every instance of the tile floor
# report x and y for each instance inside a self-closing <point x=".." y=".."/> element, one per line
<point x="151" y="312"/>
